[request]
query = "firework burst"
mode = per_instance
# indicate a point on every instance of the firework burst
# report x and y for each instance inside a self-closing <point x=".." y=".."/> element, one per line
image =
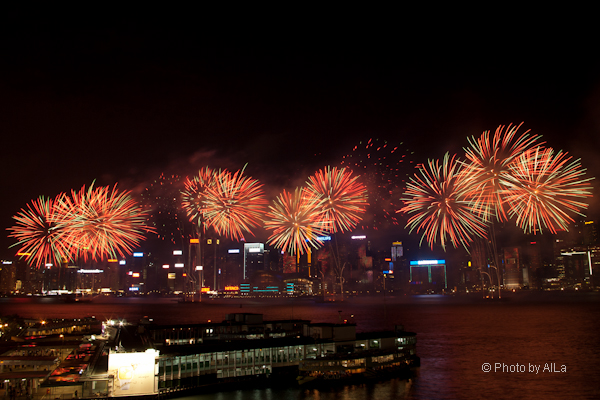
<point x="40" y="231"/>
<point x="195" y="192"/>
<point x="435" y="200"/>
<point x="234" y="204"/>
<point x="544" y="188"/>
<point x="489" y="166"/>
<point x="102" y="223"/>
<point x="296" y="221"/>
<point x="344" y="197"/>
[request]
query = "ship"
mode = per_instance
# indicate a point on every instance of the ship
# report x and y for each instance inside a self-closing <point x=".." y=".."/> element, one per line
<point x="375" y="356"/>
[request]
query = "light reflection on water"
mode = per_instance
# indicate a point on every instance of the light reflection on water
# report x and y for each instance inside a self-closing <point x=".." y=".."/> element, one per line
<point x="455" y="337"/>
<point x="392" y="389"/>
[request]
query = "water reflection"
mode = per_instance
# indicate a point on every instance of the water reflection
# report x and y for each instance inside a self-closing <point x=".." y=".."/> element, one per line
<point x="455" y="337"/>
<point x="392" y="389"/>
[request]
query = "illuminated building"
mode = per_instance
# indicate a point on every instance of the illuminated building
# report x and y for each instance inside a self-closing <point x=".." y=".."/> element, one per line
<point x="576" y="265"/>
<point x="582" y="232"/>
<point x="533" y="262"/>
<point x="591" y="237"/>
<point x="135" y="273"/>
<point x="595" y="260"/>
<point x="244" y="347"/>
<point x="265" y="282"/>
<point x="515" y="275"/>
<point x="112" y="274"/>
<point x="88" y="279"/>
<point x="269" y="265"/>
<point x="397" y="251"/>
<point x="398" y="264"/>
<point x="468" y="276"/>
<point x="360" y="260"/>
<point x="254" y="259"/>
<point x="233" y="270"/>
<point x="428" y="275"/>
<point x="8" y="274"/>
<point x="289" y="263"/>
<point x="559" y="265"/>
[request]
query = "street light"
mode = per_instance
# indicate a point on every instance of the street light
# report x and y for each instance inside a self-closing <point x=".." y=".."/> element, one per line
<point x="200" y="269"/>
<point x="215" y="243"/>
<point x="489" y="277"/>
<point x="498" y="276"/>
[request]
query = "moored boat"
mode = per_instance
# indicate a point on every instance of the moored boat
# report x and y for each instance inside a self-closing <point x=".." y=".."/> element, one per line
<point x="393" y="355"/>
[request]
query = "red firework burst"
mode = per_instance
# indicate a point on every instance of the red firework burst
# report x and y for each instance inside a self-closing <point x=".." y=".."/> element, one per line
<point x="435" y="199"/>
<point x="234" y="204"/>
<point x="102" y="222"/>
<point x="40" y="231"/>
<point x="196" y="190"/>
<point x="296" y="221"/>
<point x="488" y="168"/>
<point x="344" y="198"/>
<point x="544" y="188"/>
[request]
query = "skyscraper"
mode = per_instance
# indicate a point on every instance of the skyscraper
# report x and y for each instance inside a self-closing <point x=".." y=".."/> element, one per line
<point x="254" y="259"/>
<point x="514" y="274"/>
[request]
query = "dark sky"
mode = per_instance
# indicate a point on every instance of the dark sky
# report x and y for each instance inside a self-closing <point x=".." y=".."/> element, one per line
<point x="122" y="99"/>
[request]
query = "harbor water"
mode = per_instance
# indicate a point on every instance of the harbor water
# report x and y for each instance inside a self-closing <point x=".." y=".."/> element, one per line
<point x="526" y="345"/>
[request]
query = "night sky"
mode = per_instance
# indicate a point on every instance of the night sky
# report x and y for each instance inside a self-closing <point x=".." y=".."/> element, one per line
<point x="124" y="98"/>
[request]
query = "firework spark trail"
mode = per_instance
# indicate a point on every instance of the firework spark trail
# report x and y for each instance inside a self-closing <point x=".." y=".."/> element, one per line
<point x="40" y="232"/>
<point x="384" y="169"/>
<point x="234" y="204"/>
<point x="488" y="168"/>
<point x="102" y="223"/>
<point x="434" y="197"/>
<point x="296" y="221"/>
<point x="162" y="198"/>
<point x="344" y="197"/>
<point x="544" y="187"/>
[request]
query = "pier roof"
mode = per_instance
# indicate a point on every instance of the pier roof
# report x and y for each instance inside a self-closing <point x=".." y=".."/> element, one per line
<point x="233" y="345"/>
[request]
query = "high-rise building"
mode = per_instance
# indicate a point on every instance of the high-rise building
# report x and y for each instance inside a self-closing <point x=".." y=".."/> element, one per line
<point x="576" y="264"/>
<point x="533" y="264"/>
<point x="426" y="275"/>
<point x="398" y="267"/>
<point x="590" y="234"/>
<point x="581" y="233"/>
<point x="233" y="270"/>
<point x="254" y="259"/>
<point x="468" y="276"/>
<point x="515" y="275"/>
<point x="595" y="264"/>
<point x="8" y="276"/>
<point x="289" y="263"/>
<point x="360" y="260"/>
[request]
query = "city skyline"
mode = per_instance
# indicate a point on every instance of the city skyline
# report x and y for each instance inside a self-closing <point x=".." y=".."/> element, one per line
<point x="540" y="265"/>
